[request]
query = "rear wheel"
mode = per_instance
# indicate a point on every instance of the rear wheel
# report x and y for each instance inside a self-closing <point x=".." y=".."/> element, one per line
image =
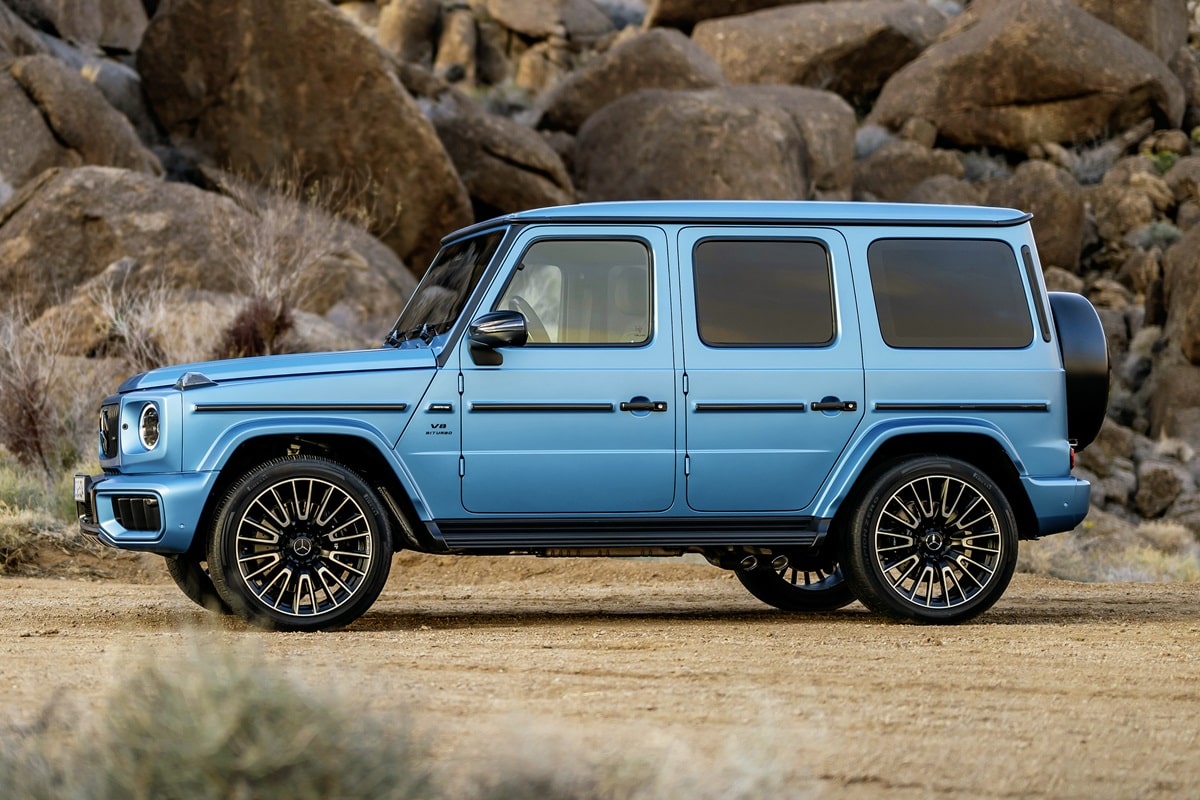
<point x="934" y="541"/>
<point x="800" y="587"/>
<point x="300" y="543"/>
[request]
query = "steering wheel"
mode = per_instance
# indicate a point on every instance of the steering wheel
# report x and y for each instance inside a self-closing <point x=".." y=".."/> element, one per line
<point x="537" y="331"/>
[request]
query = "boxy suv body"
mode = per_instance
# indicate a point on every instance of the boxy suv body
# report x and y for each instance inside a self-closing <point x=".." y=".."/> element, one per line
<point x="838" y="401"/>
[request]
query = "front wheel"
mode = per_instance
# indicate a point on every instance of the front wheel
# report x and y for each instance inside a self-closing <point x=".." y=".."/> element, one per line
<point x="300" y="543"/>
<point x="805" y="588"/>
<point x="933" y="541"/>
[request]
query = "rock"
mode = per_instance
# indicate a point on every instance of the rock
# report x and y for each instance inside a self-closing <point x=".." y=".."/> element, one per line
<point x="1076" y="79"/>
<point x="1160" y="26"/>
<point x="1060" y="280"/>
<point x="261" y="88"/>
<point x="408" y="29"/>
<point x="684" y="14"/>
<point x="455" y="60"/>
<point x="849" y="48"/>
<point x="577" y="20"/>
<point x="719" y="143"/>
<point x="946" y="190"/>
<point x="17" y="38"/>
<point x="1181" y="295"/>
<point x="80" y="118"/>
<point x="1158" y="486"/>
<point x="1173" y="392"/>
<point x="506" y="166"/>
<point x="827" y="124"/>
<point x="69" y="226"/>
<point x="1187" y="70"/>
<point x="659" y="58"/>
<point x="1057" y="203"/>
<point x="111" y="24"/>
<point x="27" y="145"/>
<point x="896" y="167"/>
<point x="1183" y="179"/>
<point x="365" y="14"/>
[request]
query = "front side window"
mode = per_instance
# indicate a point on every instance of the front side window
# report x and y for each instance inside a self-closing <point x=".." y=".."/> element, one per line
<point x="763" y="293"/>
<point x="949" y="293"/>
<point x="582" y="292"/>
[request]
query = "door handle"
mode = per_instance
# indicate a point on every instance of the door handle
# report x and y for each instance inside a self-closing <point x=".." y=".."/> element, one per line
<point x="835" y="405"/>
<point x="643" y="405"/>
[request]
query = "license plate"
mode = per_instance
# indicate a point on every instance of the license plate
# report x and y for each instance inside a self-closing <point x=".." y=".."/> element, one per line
<point x="80" y="488"/>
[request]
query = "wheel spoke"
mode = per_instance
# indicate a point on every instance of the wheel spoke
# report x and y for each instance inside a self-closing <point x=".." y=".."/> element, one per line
<point x="947" y="547"/>
<point x="304" y="546"/>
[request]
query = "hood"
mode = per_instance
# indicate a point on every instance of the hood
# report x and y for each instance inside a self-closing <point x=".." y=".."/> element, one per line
<point x="239" y="369"/>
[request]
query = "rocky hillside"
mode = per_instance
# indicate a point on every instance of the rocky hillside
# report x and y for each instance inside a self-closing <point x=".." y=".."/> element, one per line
<point x="276" y="174"/>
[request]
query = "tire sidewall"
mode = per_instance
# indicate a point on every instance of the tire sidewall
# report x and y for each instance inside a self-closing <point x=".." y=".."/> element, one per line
<point x="222" y="553"/>
<point x="866" y="577"/>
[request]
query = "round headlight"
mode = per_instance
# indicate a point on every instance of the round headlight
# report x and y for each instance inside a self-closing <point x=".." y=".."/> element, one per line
<point x="148" y="426"/>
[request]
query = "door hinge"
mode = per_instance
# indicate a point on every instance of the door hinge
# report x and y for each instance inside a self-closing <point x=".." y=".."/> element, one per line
<point x="685" y="383"/>
<point x="687" y="466"/>
<point x="462" y="467"/>
<point x="462" y="383"/>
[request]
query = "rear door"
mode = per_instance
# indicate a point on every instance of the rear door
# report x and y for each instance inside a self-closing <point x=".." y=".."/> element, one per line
<point x="773" y="369"/>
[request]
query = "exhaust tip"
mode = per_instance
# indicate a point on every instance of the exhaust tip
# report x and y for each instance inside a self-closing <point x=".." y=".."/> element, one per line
<point x="779" y="563"/>
<point x="748" y="563"/>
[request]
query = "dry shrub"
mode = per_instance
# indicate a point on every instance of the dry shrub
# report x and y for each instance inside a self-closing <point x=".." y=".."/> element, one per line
<point x="279" y="249"/>
<point x="1108" y="548"/>
<point x="217" y="726"/>
<point x="36" y="427"/>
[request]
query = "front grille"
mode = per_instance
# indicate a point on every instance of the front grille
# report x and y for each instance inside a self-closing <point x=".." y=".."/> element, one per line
<point x="109" y="428"/>
<point x="136" y="513"/>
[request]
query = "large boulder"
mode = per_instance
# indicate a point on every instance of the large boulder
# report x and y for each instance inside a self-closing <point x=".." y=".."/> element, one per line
<point x="848" y="47"/>
<point x="1057" y="203"/>
<point x="112" y="24"/>
<point x="577" y="20"/>
<point x="1161" y="26"/>
<point x="79" y="117"/>
<point x="765" y="142"/>
<point x="1014" y="73"/>
<point x="68" y="226"/>
<point x="898" y="166"/>
<point x="506" y="166"/>
<point x="660" y="58"/>
<point x="262" y="87"/>
<point x="17" y="38"/>
<point x="1181" y="294"/>
<point x="408" y="29"/>
<point x="684" y="14"/>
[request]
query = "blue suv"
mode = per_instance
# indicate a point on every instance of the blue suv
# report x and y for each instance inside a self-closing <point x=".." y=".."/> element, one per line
<point x="836" y="401"/>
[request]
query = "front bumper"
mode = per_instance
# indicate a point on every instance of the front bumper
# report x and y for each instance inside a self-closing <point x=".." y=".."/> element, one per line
<point x="153" y="513"/>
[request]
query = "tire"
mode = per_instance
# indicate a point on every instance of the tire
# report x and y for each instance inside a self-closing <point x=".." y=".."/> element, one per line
<point x="300" y="544"/>
<point x="1084" y="349"/>
<point x="934" y="540"/>
<point x="190" y="573"/>
<point x="805" y="588"/>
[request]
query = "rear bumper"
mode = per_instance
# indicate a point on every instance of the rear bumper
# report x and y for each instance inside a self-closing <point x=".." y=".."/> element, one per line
<point x="153" y="513"/>
<point x="1059" y="503"/>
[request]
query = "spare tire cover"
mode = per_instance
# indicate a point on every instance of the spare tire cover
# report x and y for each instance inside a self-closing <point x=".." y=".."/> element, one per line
<point x="1084" y="349"/>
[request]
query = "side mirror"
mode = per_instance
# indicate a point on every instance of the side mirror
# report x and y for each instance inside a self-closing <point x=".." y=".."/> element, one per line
<point x="496" y="329"/>
<point x="499" y="329"/>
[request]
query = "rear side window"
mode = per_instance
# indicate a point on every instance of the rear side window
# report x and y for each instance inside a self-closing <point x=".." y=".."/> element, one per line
<point x="949" y="293"/>
<point x="763" y="293"/>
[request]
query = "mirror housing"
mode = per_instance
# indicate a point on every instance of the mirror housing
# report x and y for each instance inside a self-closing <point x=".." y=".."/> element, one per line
<point x="499" y="329"/>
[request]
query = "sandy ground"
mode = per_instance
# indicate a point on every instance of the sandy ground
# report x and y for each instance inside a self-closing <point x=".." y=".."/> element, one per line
<point x="1062" y="690"/>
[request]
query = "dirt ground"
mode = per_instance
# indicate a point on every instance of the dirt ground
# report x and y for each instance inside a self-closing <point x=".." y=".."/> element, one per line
<point x="1062" y="690"/>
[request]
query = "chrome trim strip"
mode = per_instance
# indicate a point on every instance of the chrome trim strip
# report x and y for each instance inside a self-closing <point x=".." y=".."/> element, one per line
<point x="536" y="407"/>
<point x="962" y="406"/>
<point x="202" y="408"/>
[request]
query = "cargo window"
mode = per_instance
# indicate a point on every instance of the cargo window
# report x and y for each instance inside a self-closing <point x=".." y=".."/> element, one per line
<point x="949" y="293"/>
<point x="763" y="293"/>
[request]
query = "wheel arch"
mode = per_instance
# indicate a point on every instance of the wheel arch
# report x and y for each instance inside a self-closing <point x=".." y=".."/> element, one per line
<point x="975" y="448"/>
<point x="356" y="453"/>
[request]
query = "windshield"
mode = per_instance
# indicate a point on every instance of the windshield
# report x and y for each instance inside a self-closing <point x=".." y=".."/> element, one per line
<point x="442" y="293"/>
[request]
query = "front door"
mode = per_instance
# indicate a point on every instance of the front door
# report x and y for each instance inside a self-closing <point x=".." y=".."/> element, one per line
<point x="581" y="419"/>
<point x="772" y="363"/>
